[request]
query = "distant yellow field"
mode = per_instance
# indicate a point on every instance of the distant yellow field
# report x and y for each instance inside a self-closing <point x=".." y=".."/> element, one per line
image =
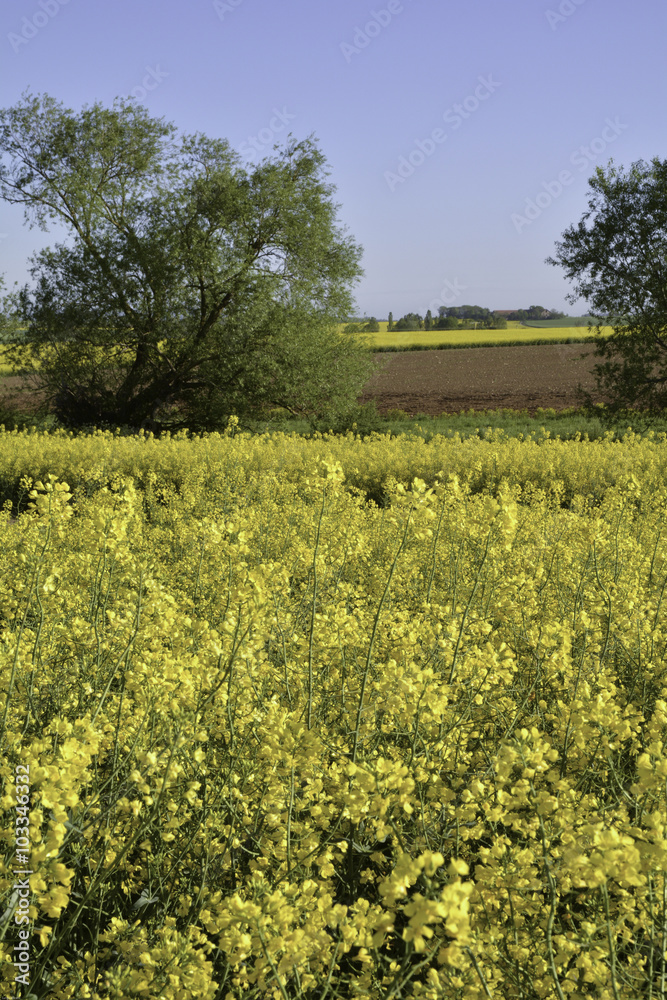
<point x="466" y="338"/>
<point x="5" y="368"/>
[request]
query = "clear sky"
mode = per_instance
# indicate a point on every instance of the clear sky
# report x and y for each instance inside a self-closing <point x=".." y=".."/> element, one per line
<point x="460" y="135"/>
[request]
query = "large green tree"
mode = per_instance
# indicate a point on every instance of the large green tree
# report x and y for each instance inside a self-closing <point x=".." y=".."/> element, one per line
<point x="190" y="288"/>
<point x="9" y="321"/>
<point x="617" y="257"/>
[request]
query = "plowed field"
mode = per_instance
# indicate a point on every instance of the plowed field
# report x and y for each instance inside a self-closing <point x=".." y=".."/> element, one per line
<point x="482" y="378"/>
<point x="448" y="381"/>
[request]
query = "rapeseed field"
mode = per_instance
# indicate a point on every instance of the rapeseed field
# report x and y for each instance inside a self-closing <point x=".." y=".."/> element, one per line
<point x="333" y="718"/>
<point x="480" y="338"/>
<point x="514" y="334"/>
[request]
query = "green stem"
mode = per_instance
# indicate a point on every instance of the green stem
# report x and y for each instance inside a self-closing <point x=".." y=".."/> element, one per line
<point x="371" y="643"/>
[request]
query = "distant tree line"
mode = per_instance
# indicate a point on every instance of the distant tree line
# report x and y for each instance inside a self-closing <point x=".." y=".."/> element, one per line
<point x="454" y="318"/>
<point x="464" y="317"/>
<point x="536" y="312"/>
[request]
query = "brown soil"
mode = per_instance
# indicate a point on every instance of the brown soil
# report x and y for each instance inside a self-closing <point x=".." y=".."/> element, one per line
<point x="434" y="382"/>
<point x="482" y="378"/>
<point x="17" y="393"/>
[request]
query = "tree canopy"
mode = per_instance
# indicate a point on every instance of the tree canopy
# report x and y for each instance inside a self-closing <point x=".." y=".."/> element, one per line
<point x="411" y="321"/>
<point x="468" y="317"/>
<point x="190" y="288"/>
<point x="535" y="312"/>
<point x="617" y="257"/>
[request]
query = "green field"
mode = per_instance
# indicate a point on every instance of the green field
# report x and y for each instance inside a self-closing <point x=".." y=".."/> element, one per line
<point x="546" y="324"/>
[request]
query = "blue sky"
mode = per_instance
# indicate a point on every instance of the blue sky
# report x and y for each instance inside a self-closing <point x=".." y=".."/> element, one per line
<point x="460" y="136"/>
